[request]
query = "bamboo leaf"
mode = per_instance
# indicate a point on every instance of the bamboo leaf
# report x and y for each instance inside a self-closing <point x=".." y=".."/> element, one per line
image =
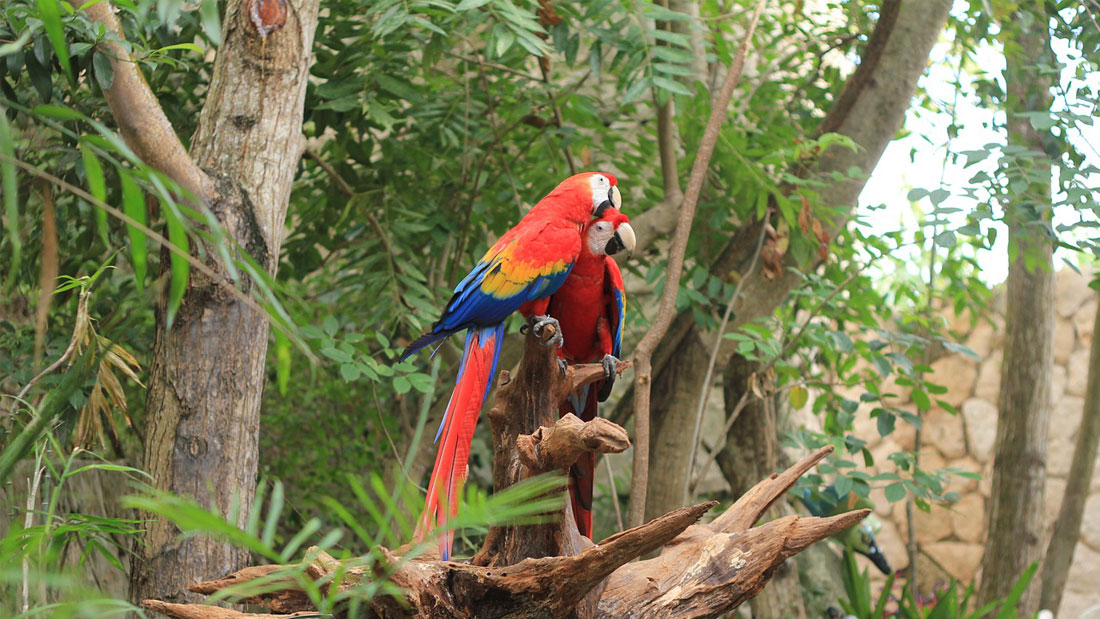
<point x="97" y="186"/>
<point x="180" y="268"/>
<point x="133" y="204"/>
<point x="50" y="12"/>
<point x="9" y="185"/>
<point x="282" y="361"/>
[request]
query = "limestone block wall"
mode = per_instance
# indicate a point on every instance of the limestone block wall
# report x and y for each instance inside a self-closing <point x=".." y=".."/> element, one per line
<point x="951" y="538"/>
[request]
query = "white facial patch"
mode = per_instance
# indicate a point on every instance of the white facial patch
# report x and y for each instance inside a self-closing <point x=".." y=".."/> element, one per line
<point x="600" y="188"/>
<point x="598" y="236"/>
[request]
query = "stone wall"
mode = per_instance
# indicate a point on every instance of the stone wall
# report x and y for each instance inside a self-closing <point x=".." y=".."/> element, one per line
<point x="950" y="538"/>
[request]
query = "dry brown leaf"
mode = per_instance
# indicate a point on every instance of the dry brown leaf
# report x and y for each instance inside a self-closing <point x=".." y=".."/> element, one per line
<point x="804" y="215"/>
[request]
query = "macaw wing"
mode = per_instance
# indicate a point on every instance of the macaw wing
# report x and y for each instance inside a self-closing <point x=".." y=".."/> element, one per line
<point x="527" y="263"/>
<point x="616" y="311"/>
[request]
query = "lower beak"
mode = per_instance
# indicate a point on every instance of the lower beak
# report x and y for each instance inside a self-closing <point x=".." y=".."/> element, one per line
<point x="624" y="239"/>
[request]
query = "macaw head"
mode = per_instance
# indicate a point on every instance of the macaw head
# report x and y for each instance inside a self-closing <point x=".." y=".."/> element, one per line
<point x="583" y="195"/>
<point x="609" y="233"/>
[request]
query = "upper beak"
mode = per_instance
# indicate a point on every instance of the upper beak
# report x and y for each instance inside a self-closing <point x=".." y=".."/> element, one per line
<point x="624" y="239"/>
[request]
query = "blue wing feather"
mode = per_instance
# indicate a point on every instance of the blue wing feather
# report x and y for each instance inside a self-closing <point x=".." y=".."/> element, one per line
<point x="470" y="307"/>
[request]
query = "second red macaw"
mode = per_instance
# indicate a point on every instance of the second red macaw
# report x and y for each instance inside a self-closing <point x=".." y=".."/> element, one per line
<point x="525" y="266"/>
<point x="590" y="307"/>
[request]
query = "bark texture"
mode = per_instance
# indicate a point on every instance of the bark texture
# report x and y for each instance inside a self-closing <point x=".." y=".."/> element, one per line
<point x="752" y="452"/>
<point x="675" y="392"/>
<point x="1019" y="465"/>
<point x="1067" y="527"/>
<point x="207" y="373"/>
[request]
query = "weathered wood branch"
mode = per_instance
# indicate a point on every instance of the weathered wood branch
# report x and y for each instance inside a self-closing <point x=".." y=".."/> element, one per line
<point x="559" y="446"/>
<point x="549" y="570"/>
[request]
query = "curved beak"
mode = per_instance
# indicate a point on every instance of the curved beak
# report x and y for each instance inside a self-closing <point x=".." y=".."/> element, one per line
<point x="623" y="239"/>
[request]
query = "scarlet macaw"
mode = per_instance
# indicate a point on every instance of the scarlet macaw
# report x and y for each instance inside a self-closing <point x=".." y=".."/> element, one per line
<point x="590" y="307"/>
<point x="525" y="266"/>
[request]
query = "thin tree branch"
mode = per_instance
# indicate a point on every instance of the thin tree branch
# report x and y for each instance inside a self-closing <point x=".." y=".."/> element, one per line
<point x="888" y="17"/>
<point x="614" y="494"/>
<point x="1066" y="528"/>
<point x="138" y="113"/>
<point x="704" y="396"/>
<point x="643" y="354"/>
<point x="744" y="400"/>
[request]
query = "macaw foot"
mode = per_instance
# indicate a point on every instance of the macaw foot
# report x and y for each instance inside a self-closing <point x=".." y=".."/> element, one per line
<point x="610" y="366"/>
<point x="562" y="365"/>
<point x="538" y="323"/>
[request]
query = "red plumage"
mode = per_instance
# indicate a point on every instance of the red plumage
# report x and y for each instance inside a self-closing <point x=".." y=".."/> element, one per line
<point x="590" y="307"/>
<point x="525" y="266"/>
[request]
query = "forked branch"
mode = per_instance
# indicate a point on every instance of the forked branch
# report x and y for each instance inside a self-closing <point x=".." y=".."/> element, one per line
<point x="549" y="570"/>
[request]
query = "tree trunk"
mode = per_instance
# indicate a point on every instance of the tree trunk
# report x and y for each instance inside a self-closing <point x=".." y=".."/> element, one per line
<point x="676" y="395"/>
<point x="871" y="118"/>
<point x="1019" y="466"/>
<point x="207" y="374"/>
<point x="752" y="452"/>
<point x="1067" y="527"/>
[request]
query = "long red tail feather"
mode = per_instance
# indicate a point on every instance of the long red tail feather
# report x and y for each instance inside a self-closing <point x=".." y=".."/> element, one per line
<point x="457" y="432"/>
<point x="583" y="471"/>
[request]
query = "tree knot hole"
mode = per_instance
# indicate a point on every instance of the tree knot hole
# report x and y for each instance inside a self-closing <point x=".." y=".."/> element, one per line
<point x="268" y="16"/>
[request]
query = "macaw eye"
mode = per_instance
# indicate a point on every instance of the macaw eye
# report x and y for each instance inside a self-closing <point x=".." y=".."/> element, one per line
<point x="603" y="226"/>
<point x="615" y="197"/>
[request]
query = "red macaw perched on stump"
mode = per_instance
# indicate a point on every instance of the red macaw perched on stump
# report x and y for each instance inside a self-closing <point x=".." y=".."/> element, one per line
<point x="590" y="307"/>
<point x="527" y="265"/>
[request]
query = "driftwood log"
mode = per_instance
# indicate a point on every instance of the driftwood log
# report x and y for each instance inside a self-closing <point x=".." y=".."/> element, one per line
<point x="549" y="569"/>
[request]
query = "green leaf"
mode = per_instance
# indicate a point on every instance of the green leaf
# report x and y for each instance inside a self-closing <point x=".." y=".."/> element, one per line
<point x="504" y="40"/>
<point x="1008" y="611"/>
<point x="106" y="466"/>
<point x="799" y="396"/>
<point x="97" y="186"/>
<point x="180" y="268"/>
<point x="670" y="85"/>
<point x="337" y="355"/>
<point x="211" y="22"/>
<point x="58" y="111"/>
<point x="401" y="384"/>
<point x="350" y="372"/>
<point x="282" y="360"/>
<point x="469" y="5"/>
<point x="885" y="422"/>
<point x="895" y="492"/>
<point x="191" y="47"/>
<point x="920" y="398"/>
<point x="40" y="78"/>
<point x="104" y="72"/>
<point x="50" y="12"/>
<point x="133" y="204"/>
<point x="8" y="182"/>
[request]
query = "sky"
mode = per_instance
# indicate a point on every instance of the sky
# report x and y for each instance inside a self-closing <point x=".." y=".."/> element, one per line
<point x="919" y="159"/>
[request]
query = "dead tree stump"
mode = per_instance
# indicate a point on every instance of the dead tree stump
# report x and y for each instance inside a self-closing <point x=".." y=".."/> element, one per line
<point x="549" y="569"/>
